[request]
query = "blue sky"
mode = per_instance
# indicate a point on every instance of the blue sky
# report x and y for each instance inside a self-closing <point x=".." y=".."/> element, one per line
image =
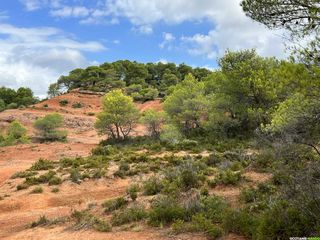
<point x="43" y="39"/>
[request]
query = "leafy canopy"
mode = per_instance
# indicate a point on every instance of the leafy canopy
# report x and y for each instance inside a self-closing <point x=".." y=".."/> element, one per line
<point x="119" y="115"/>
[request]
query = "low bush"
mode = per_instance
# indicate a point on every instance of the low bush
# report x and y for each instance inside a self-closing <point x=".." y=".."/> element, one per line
<point x="240" y="222"/>
<point x="114" y="204"/>
<point x="75" y="175"/>
<point x="42" y="164"/>
<point x="37" y="190"/>
<point x="128" y="215"/>
<point x="63" y="102"/>
<point x="24" y="174"/>
<point x="43" y="220"/>
<point x="152" y="186"/>
<point x="55" y="190"/>
<point x="165" y="210"/>
<point x="77" y="105"/>
<point x="22" y="186"/>
<point x="133" y="191"/>
<point x="55" y="180"/>
<point x="228" y="177"/>
<point x="283" y="221"/>
<point x="86" y="220"/>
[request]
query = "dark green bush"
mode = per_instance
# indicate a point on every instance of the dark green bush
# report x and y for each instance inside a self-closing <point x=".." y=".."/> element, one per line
<point x="42" y="164"/>
<point x="165" y="210"/>
<point x="133" y="191"/>
<point x="75" y="175"/>
<point x="128" y="215"/>
<point x="77" y="105"/>
<point x="63" y="102"/>
<point x="114" y="204"/>
<point x="240" y="222"/>
<point x="228" y="177"/>
<point x="55" y="180"/>
<point x="22" y="186"/>
<point x="43" y="220"/>
<point x="152" y="186"/>
<point x="38" y="189"/>
<point x="283" y="221"/>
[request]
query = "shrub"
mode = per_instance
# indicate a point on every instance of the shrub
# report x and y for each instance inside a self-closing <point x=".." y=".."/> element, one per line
<point x="63" y="102"/>
<point x="16" y="134"/>
<point x="103" y="150"/>
<point x="188" y="144"/>
<point x="165" y="210"/>
<point x="24" y="174"/>
<point x="38" y="189"/>
<point x="77" y="105"/>
<point x="45" y="105"/>
<point x="102" y="226"/>
<point x="228" y="177"/>
<point x="170" y="134"/>
<point x="133" y="191"/>
<point x="47" y="127"/>
<point x="42" y="164"/>
<point x="22" y="186"/>
<point x="240" y="222"/>
<point x="128" y="215"/>
<point x="214" y="207"/>
<point x="12" y="106"/>
<point x="114" y="204"/>
<point x="43" y="220"/>
<point x="84" y="219"/>
<point x="55" y="190"/>
<point x="283" y="221"/>
<point x="75" y="175"/>
<point x="55" y="180"/>
<point x="248" y="195"/>
<point x="152" y="186"/>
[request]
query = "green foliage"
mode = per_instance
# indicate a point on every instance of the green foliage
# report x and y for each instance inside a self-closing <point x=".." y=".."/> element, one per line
<point x="42" y="164"/>
<point x="141" y="81"/>
<point x="187" y="105"/>
<point x="114" y="204"/>
<point x="55" y="180"/>
<point x="84" y="219"/>
<point x="10" y="98"/>
<point x="133" y="191"/>
<point x="228" y="177"/>
<point x="118" y="117"/>
<point x="154" y="121"/>
<point x="64" y="102"/>
<point x="16" y="134"/>
<point x="43" y="220"/>
<point x="152" y="186"/>
<point x="165" y="210"/>
<point x="2" y="105"/>
<point x="77" y="105"/>
<point x="282" y="222"/>
<point x="47" y="127"/>
<point x="240" y="222"/>
<point x="128" y="215"/>
<point x="170" y="134"/>
<point x="38" y="189"/>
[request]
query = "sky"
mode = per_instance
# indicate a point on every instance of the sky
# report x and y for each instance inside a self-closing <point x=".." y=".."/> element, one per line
<point x="41" y="40"/>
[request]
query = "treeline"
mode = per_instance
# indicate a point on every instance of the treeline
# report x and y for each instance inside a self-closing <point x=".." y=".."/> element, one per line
<point x="10" y="98"/>
<point x="141" y="81"/>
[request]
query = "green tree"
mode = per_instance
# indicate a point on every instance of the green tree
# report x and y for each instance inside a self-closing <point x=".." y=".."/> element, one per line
<point x="242" y="92"/>
<point x="300" y="17"/>
<point x="54" y="90"/>
<point x="2" y="105"/>
<point x="118" y="117"/>
<point x="296" y="120"/>
<point x="16" y="133"/>
<point x="154" y="121"/>
<point x="48" y="127"/>
<point x="187" y="104"/>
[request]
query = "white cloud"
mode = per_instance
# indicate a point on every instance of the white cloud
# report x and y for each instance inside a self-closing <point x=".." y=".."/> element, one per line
<point x="230" y="27"/>
<point x="167" y="39"/>
<point x="77" y="11"/>
<point x="36" y="57"/>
